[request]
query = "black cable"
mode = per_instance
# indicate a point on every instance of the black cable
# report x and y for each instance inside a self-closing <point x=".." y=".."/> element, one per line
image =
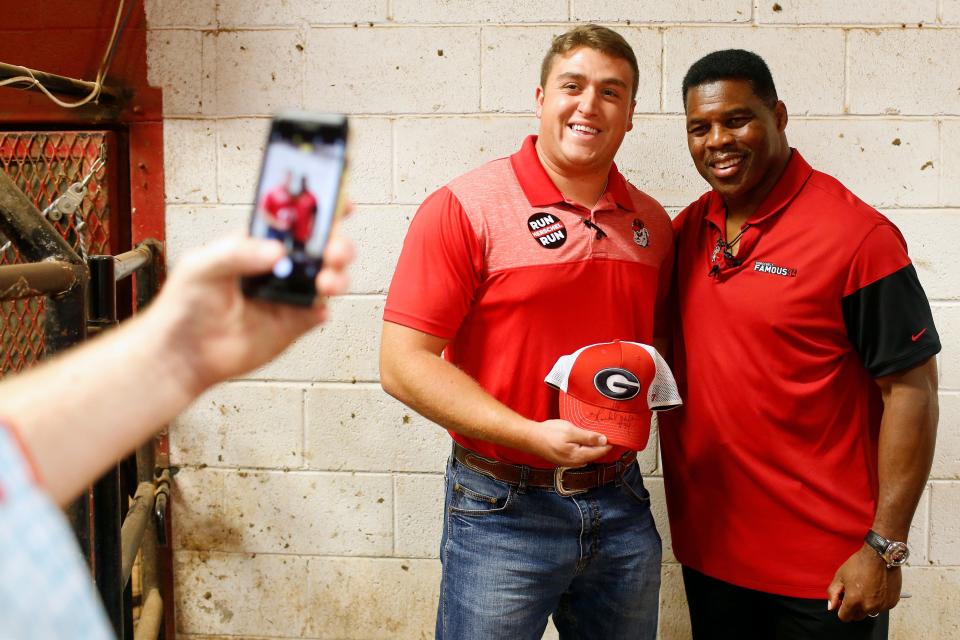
<point x="116" y="41"/>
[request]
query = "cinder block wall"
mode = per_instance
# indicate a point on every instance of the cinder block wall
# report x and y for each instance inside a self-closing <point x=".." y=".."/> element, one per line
<point x="308" y="502"/>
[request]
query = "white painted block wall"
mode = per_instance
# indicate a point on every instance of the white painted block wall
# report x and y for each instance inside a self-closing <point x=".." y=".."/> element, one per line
<point x="308" y="503"/>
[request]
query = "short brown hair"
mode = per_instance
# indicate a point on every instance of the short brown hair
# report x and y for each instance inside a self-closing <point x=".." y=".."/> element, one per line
<point x="593" y="37"/>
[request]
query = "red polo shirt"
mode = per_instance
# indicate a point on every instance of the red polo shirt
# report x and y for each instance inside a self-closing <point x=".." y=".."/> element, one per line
<point x="503" y="266"/>
<point x="771" y="464"/>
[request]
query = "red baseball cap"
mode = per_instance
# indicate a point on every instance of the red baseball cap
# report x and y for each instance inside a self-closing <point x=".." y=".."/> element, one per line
<point x="613" y="388"/>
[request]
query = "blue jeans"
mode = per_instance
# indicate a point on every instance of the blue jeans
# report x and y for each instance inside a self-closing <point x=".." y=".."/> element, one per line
<point x="512" y="557"/>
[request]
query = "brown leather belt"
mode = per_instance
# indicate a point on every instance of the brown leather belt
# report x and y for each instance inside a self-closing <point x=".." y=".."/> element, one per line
<point x="566" y="481"/>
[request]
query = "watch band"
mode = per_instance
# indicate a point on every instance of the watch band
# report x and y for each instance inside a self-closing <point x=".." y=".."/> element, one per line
<point x="894" y="553"/>
<point x="876" y="541"/>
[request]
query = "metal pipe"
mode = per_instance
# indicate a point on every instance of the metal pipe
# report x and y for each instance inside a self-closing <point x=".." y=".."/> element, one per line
<point x="103" y="292"/>
<point x="37" y="279"/>
<point x="149" y="558"/>
<point x="106" y="546"/>
<point x="134" y="527"/>
<point x="56" y="84"/>
<point x="127" y="263"/>
<point x="149" y="280"/>
<point x="65" y="325"/>
<point x="160" y="506"/>
<point x="151" y="615"/>
<point x="153" y="461"/>
<point x="108" y="498"/>
<point x="34" y="236"/>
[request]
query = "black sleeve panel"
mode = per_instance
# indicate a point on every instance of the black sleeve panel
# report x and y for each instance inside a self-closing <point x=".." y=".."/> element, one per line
<point x="890" y="324"/>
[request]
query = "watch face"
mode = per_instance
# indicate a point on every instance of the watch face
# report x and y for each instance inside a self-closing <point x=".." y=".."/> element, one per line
<point x="896" y="554"/>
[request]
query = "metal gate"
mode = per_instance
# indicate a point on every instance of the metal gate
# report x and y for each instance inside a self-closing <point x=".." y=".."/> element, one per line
<point x="43" y="164"/>
<point x="46" y="274"/>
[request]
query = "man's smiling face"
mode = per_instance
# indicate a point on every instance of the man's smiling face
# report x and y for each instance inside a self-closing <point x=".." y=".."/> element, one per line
<point x="737" y="141"/>
<point x="585" y="108"/>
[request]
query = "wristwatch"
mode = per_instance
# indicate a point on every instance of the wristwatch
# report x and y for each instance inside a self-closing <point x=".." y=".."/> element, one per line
<point x="894" y="553"/>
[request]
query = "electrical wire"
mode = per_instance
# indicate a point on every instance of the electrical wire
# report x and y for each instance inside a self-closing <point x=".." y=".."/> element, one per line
<point x="97" y="84"/>
<point x="123" y="26"/>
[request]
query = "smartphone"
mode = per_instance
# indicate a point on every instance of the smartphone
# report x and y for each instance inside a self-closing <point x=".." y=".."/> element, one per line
<point x="299" y="196"/>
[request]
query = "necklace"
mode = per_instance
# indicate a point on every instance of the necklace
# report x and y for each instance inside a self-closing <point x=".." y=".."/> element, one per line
<point x="726" y="248"/>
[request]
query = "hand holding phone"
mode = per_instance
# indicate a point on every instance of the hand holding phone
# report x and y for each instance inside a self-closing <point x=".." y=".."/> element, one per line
<point x="299" y="197"/>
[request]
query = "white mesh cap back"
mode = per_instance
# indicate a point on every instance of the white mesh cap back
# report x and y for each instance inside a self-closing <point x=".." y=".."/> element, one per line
<point x="662" y="394"/>
<point x="560" y="374"/>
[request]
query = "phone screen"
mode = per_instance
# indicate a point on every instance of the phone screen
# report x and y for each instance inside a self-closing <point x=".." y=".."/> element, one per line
<point x="297" y="199"/>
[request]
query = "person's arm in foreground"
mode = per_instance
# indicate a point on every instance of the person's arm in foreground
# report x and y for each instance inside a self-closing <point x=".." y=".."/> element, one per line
<point x="82" y="411"/>
<point x="412" y="371"/>
<point x="908" y="431"/>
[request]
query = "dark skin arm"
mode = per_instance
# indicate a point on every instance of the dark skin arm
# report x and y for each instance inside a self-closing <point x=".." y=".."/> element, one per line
<point x="863" y="585"/>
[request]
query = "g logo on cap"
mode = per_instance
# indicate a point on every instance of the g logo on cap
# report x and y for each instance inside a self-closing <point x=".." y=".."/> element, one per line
<point x="617" y="384"/>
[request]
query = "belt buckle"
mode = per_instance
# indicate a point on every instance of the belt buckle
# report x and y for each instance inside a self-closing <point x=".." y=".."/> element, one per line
<point x="558" y="483"/>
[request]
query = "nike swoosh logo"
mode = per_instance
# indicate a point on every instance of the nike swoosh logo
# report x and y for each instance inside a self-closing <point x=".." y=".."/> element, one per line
<point x="917" y="337"/>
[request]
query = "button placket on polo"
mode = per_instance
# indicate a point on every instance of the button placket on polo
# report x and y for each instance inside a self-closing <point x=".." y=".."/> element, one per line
<point x="604" y="216"/>
<point x="581" y="213"/>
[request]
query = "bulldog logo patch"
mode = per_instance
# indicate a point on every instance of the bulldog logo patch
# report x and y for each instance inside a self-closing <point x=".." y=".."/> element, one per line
<point x="641" y="236"/>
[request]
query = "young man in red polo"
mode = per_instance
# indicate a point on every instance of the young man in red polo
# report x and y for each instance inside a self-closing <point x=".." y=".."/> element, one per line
<point x="503" y="271"/>
<point x="804" y="354"/>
